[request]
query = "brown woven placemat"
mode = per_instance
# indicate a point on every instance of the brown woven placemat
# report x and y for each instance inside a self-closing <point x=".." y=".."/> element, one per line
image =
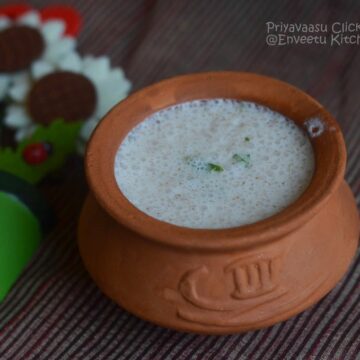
<point x="55" y="311"/>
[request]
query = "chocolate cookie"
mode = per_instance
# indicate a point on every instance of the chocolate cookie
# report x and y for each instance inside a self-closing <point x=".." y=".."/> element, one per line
<point x="19" y="47"/>
<point x="64" y="95"/>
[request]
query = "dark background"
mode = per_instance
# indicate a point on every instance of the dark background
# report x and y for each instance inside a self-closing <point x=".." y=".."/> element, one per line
<point x="56" y="312"/>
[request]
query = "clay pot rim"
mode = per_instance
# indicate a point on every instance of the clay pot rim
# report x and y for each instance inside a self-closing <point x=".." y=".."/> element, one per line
<point x="329" y="150"/>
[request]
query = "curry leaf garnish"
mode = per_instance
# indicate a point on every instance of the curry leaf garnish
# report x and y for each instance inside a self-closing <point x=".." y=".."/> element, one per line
<point x="214" y="167"/>
<point x="200" y="164"/>
<point x="245" y="159"/>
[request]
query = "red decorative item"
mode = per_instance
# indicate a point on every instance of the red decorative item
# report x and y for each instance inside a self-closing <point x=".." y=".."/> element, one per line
<point x="14" y="11"/>
<point x="66" y="13"/>
<point x="36" y="153"/>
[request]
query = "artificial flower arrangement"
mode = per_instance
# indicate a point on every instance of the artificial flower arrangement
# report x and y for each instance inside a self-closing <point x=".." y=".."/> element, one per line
<point x="51" y="99"/>
<point x="43" y="77"/>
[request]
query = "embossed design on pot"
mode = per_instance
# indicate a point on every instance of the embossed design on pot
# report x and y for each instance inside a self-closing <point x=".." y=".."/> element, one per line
<point x="256" y="284"/>
<point x="246" y="308"/>
<point x="251" y="279"/>
<point x="254" y="279"/>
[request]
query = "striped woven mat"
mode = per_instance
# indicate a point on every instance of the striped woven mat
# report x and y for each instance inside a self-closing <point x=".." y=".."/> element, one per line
<point x="55" y="311"/>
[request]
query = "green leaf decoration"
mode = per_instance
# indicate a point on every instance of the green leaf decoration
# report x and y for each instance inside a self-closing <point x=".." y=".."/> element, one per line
<point x="61" y="135"/>
<point x="214" y="167"/>
<point x="200" y="164"/>
<point x="244" y="159"/>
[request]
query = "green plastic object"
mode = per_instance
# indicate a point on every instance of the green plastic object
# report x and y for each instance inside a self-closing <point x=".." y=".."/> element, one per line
<point x="30" y="197"/>
<point x="20" y="236"/>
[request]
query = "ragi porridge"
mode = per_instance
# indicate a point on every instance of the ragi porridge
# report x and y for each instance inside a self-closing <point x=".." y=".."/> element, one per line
<point x="214" y="164"/>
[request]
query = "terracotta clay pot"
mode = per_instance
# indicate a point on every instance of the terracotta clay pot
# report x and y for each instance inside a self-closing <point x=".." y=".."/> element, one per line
<point x="228" y="280"/>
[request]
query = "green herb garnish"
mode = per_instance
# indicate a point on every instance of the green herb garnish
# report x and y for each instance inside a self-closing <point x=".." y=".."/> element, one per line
<point x="245" y="159"/>
<point x="214" y="167"/>
<point x="200" y="164"/>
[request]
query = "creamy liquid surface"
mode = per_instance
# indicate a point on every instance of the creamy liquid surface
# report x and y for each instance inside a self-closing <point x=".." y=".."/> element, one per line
<point x="214" y="164"/>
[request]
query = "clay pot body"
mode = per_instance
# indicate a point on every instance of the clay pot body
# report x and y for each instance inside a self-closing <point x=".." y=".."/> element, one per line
<point x="228" y="280"/>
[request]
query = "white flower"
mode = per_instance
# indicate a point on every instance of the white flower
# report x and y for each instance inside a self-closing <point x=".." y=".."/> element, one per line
<point x="57" y="45"/>
<point x="17" y="117"/>
<point x="41" y="68"/>
<point x="59" y="54"/>
<point x="110" y="84"/>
